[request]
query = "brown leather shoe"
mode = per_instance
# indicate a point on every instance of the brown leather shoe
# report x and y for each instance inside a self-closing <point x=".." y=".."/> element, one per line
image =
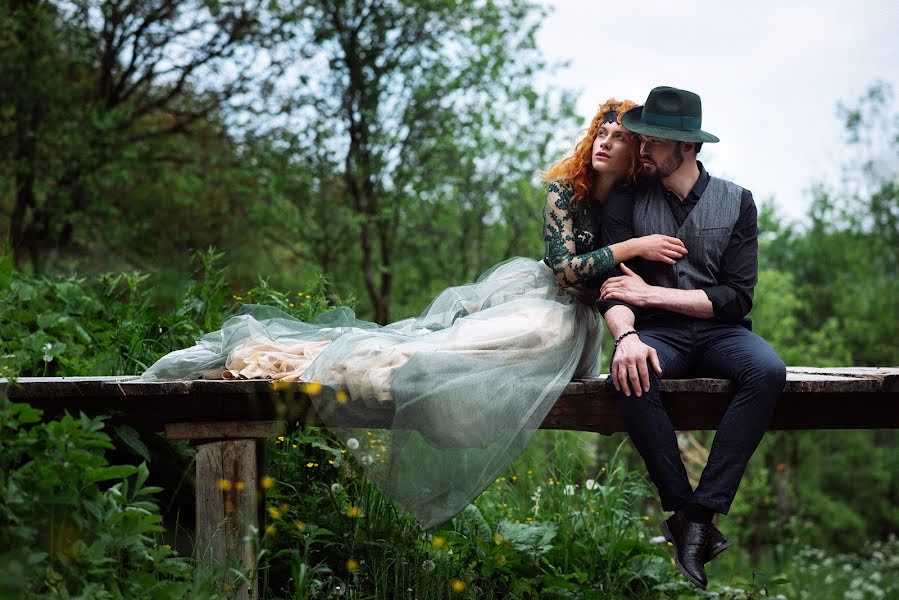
<point x="691" y="546"/>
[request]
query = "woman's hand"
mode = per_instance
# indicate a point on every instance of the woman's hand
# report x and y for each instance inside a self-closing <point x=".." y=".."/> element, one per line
<point x="660" y="248"/>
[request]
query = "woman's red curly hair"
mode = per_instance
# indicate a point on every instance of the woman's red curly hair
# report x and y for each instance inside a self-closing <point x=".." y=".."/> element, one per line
<point x="576" y="169"/>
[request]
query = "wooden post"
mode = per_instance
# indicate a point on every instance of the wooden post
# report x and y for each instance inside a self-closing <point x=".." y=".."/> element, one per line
<point x="229" y="497"/>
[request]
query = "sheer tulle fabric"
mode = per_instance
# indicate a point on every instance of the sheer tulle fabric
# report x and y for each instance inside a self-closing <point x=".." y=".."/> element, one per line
<point x="463" y="386"/>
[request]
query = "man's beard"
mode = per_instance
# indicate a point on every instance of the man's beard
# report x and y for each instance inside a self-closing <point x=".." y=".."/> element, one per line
<point x="672" y="164"/>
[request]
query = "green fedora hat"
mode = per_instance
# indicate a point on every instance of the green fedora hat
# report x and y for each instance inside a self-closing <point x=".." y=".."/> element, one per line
<point x="671" y="114"/>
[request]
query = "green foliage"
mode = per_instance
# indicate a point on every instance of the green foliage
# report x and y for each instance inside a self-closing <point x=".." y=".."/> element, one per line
<point x="71" y="524"/>
<point x="538" y="532"/>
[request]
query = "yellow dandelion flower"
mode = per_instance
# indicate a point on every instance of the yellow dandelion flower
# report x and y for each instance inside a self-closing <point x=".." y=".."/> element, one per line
<point x="240" y="486"/>
<point x="368" y="433"/>
<point x="530" y="472"/>
<point x="457" y="585"/>
<point x="274" y="512"/>
<point x="498" y="538"/>
<point x="330" y="461"/>
<point x="308" y="296"/>
<point x="299" y="525"/>
<point x="352" y="565"/>
<point x="280" y="384"/>
<point x="514" y="477"/>
<point x="285" y="507"/>
<point x="353" y="511"/>
<point x="299" y="293"/>
<point x="294" y="446"/>
<point x="290" y="304"/>
<point x="271" y="530"/>
<point x="343" y="450"/>
<point x="439" y="541"/>
<point x="229" y="507"/>
<point x="342" y="397"/>
<point x="280" y="438"/>
<point x="646" y="517"/>
<point x="313" y="388"/>
<point x="224" y="484"/>
<point x="310" y="464"/>
<point x="602" y="470"/>
<point x="266" y="483"/>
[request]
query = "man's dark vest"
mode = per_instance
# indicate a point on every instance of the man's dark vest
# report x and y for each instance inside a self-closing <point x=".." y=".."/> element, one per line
<point x="706" y="233"/>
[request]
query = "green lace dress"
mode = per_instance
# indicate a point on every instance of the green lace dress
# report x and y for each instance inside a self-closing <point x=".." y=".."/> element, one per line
<point x="459" y="389"/>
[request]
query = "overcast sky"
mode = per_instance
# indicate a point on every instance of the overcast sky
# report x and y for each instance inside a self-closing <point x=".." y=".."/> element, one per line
<point x="770" y="75"/>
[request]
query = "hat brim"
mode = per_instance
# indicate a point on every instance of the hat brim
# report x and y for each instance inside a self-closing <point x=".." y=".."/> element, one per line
<point x="631" y="121"/>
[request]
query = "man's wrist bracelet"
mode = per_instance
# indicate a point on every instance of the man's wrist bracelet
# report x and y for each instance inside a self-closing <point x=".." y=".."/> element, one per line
<point x="624" y="335"/>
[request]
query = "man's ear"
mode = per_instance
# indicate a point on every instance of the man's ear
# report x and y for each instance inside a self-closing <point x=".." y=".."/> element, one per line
<point x="686" y="146"/>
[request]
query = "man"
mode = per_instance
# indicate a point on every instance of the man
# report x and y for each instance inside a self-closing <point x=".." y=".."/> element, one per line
<point x="688" y="319"/>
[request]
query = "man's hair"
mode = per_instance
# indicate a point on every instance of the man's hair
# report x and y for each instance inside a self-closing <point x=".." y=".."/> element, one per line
<point x="697" y="145"/>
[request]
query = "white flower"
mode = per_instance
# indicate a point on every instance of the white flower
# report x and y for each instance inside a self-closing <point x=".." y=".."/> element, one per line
<point x="659" y="539"/>
<point x="569" y="490"/>
<point x="427" y="565"/>
<point x="367" y="459"/>
<point x="352" y="443"/>
<point x="48" y="358"/>
<point x="335" y="488"/>
<point x="47" y="347"/>
<point x="590" y="484"/>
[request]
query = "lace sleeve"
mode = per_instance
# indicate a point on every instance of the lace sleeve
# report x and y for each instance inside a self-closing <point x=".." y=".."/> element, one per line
<point x="560" y="254"/>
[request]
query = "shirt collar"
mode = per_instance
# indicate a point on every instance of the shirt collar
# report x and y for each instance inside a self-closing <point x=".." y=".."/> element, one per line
<point x="701" y="183"/>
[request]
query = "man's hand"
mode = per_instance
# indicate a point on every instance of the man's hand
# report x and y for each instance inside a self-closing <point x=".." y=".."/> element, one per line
<point x="630" y="365"/>
<point x="629" y="288"/>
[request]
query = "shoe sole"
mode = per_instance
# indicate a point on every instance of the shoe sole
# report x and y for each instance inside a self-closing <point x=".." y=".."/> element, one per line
<point x="667" y="533"/>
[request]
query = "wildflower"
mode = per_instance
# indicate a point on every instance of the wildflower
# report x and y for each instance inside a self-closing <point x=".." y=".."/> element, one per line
<point x="498" y="538"/>
<point x="342" y="397"/>
<point x="330" y="461"/>
<point x="514" y="477"/>
<point x="343" y="450"/>
<point x="353" y="511"/>
<point x="646" y="517"/>
<point x="266" y="483"/>
<point x="352" y="565"/>
<point x="294" y="446"/>
<point x="239" y="486"/>
<point x="48" y="358"/>
<point x="457" y="585"/>
<point x="285" y="507"/>
<point x="439" y="541"/>
<point x="271" y="530"/>
<point x="590" y="484"/>
<point x="274" y="512"/>
<point x="310" y="464"/>
<point x="224" y="484"/>
<point x="352" y="443"/>
<point x="603" y="469"/>
<point x="569" y="490"/>
<point x="530" y="472"/>
<point x="427" y="565"/>
<point x="281" y="438"/>
<point x="335" y="488"/>
<point x="47" y="347"/>
<point x="229" y="506"/>
<point x="299" y="525"/>
<point x="313" y="388"/>
<point x="290" y="304"/>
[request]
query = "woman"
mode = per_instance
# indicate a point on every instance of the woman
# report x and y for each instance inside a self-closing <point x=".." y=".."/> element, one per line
<point x="519" y="331"/>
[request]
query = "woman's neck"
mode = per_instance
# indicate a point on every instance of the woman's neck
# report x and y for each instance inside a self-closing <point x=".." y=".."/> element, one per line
<point x="601" y="188"/>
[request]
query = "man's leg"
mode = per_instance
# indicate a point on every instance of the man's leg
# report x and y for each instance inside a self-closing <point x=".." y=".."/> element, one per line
<point x="647" y="420"/>
<point x="734" y="352"/>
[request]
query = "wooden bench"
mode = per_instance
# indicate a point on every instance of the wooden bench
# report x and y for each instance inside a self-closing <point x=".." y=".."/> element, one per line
<point x="229" y="419"/>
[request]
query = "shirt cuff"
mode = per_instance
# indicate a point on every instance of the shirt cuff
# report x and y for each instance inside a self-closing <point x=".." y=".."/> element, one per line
<point x="604" y="305"/>
<point x="725" y="305"/>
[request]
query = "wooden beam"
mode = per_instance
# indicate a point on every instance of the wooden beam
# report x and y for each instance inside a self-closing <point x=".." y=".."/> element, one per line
<point x="228" y="504"/>
<point x="224" y="430"/>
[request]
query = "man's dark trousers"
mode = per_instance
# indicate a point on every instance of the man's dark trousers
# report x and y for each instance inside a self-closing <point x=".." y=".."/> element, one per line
<point x="689" y="347"/>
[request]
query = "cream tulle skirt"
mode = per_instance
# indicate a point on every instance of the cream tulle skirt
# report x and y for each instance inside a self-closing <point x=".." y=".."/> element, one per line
<point x="463" y="386"/>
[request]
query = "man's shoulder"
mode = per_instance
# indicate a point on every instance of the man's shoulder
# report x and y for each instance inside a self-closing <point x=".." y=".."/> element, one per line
<point x="731" y="188"/>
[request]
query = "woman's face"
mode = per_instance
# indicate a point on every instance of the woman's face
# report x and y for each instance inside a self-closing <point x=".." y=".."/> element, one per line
<point x="614" y="149"/>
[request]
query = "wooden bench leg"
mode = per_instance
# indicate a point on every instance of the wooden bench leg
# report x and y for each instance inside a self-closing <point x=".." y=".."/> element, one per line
<point x="228" y="506"/>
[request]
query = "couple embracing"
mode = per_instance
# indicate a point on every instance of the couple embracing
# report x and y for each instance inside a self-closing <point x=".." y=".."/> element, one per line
<point x="634" y="228"/>
<point x="685" y="246"/>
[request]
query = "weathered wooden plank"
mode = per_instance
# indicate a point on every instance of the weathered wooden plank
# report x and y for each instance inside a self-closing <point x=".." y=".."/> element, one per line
<point x="814" y="398"/>
<point x="225" y="430"/>
<point x="227" y="504"/>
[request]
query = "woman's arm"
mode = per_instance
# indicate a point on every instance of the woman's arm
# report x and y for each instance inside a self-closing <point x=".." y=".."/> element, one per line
<point x="560" y="252"/>
<point x="571" y="268"/>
